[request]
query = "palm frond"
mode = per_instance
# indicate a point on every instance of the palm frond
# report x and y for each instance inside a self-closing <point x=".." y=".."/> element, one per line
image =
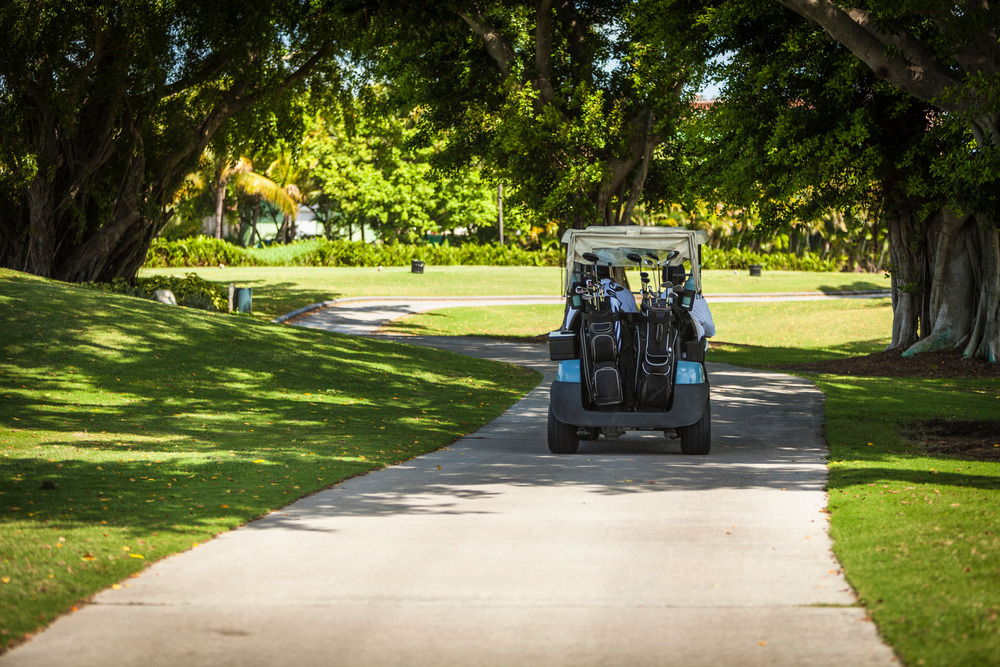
<point x="253" y="183"/>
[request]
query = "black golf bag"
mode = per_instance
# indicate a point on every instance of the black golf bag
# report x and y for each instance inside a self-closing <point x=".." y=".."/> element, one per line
<point x="657" y="355"/>
<point x="601" y="333"/>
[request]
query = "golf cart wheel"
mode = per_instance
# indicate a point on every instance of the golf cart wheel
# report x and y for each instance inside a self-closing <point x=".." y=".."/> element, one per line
<point x="696" y="439"/>
<point x="563" y="438"/>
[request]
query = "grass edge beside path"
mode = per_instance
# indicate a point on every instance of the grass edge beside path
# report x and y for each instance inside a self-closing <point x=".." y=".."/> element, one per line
<point x="131" y="431"/>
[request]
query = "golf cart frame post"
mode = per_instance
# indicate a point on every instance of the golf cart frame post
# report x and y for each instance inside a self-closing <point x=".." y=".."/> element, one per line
<point x="621" y="370"/>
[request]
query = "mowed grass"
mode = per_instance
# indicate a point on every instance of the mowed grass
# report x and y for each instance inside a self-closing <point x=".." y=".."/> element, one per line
<point x="130" y="430"/>
<point x="280" y="290"/>
<point x="918" y="534"/>
<point x="760" y="333"/>
<point x="778" y="334"/>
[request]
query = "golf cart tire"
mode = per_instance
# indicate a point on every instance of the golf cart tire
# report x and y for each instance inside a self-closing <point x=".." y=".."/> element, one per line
<point x="563" y="438"/>
<point x="696" y="439"/>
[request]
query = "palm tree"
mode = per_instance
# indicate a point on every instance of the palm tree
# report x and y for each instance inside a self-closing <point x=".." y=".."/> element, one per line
<point x="238" y="174"/>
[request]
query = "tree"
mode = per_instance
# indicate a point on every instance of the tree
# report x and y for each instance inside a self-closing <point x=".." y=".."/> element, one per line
<point x="371" y="173"/>
<point x="945" y="55"/>
<point x="807" y="138"/>
<point x="559" y="98"/>
<point x="108" y="105"/>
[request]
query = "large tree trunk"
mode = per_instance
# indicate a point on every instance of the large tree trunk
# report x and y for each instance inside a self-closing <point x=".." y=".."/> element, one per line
<point x="953" y="284"/>
<point x="985" y="339"/>
<point x="908" y="280"/>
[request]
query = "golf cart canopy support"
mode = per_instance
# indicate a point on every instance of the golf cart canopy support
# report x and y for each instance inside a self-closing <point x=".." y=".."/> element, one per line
<point x="611" y="244"/>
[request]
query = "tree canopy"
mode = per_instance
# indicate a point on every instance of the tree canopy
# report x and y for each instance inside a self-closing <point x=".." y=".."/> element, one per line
<point x="560" y="99"/>
<point x="108" y="105"/>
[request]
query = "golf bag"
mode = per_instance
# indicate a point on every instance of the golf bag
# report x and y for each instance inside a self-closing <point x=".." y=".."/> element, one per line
<point x="601" y="332"/>
<point x="658" y="334"/>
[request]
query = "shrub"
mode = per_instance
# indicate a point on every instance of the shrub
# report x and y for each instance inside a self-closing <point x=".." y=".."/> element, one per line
<point x="191" y="290"/>
<point x="712" y="258"/>
<point x="196" y="251"/>
<point x="206" y="251"/>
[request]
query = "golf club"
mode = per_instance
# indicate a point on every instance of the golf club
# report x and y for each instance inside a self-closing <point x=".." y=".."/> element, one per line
<point x="655" y="260"/>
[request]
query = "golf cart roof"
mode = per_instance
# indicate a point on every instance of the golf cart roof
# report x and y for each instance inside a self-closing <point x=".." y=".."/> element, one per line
<point x="613" y="245"/>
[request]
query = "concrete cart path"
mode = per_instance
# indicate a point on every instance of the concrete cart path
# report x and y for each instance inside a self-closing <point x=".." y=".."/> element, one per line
<point x="495" y="552"/>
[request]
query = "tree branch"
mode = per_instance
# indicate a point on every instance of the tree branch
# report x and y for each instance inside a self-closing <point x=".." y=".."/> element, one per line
<point x="568" y="14"/>
<point x="496" y="46"/>
<point x="919" y="73"/>
<point x="543" y="51"/>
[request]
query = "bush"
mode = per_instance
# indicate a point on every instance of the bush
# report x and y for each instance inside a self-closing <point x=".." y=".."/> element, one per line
<point x="206" y="251"/>
<point x="712" y="258"/>
<point x="196" y="251"/>
<point x="191" y="290"/>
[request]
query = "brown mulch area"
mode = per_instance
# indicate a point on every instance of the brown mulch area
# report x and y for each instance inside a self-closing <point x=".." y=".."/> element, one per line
<point x="891" y="363"/>
<point x="979" y="440"/>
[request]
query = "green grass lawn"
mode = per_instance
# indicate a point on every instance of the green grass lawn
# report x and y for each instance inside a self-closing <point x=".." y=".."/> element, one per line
<point x="280" y="290"/>
<point x="917" y="533"/>
<point x="130" y="430"/>
<point x="836" y="328"/>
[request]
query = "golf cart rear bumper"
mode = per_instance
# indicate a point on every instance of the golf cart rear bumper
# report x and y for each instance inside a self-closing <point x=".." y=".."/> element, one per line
<point x="689" y="405"/>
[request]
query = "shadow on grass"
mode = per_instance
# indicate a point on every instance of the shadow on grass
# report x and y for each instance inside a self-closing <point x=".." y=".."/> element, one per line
<point x="272" y="299"/>
<point x="856" y="286"/>
<point x="169" y="496"/>
<point x="760" y="356"/>
<point x="178" y="394"/>
<point x="878" y="475"/>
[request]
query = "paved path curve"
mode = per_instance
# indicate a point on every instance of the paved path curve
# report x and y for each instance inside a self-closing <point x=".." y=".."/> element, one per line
<point x="495" y="552"/>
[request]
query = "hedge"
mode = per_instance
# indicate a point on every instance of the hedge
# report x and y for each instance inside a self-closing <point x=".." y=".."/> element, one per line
<point x="712" y="258"/>
<point x="207" y="251"/>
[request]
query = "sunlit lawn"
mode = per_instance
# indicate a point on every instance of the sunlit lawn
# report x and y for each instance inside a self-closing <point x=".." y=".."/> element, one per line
<point x="279" y="290"/>
<point x="778" y="332"/>
<point x="130" y="430"/>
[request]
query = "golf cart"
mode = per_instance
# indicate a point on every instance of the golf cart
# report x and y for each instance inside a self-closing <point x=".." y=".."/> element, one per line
<point x="627" y="366"/>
